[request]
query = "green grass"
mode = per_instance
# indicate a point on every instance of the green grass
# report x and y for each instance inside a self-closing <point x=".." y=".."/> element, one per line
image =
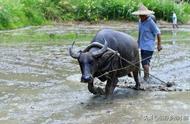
<point x="42" y="37"/>
<point x="33" y="36"/>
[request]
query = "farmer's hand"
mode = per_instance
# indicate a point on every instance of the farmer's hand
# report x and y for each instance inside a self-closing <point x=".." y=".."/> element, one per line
<point x="159" y="48"/>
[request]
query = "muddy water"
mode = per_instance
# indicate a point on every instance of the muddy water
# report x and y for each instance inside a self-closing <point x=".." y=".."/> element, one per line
<point x="39" y="84"/>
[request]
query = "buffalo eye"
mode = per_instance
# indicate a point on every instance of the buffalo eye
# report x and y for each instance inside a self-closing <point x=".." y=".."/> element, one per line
<point x="90" y="62"/>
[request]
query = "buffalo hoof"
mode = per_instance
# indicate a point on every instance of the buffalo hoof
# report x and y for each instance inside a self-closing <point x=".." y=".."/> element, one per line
<point x="137" y="87"/>
<point x="99" y="91"/>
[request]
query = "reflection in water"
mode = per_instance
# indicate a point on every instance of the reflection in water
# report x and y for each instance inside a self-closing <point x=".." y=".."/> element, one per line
<point x="40" y="84"/>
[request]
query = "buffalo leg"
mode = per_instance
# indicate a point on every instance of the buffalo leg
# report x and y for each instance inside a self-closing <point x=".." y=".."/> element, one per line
<point x="136" y="78"/>
<point x="110" y="86"/>
<point x="95" y="90"/>
<point x="91" y="87"/>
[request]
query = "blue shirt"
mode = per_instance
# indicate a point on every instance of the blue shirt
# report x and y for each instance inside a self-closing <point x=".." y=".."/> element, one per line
<point x="148" y="31"/>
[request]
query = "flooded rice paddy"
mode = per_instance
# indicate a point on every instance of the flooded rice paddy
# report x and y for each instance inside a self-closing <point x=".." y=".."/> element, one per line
<point x="40" y="84"/>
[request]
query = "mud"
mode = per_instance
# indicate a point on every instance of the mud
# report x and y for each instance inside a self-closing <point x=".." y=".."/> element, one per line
<point x="40" y="84"/>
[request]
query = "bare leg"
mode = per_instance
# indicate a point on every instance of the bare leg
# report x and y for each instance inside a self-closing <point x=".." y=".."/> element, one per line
<point x="146" y="72"/>
<point x="176" y="25"/>
<point x="173" y="25"/>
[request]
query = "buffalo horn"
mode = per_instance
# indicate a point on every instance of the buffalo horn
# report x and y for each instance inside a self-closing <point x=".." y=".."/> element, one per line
<point x="90" y="46"/>
<point x="101" y="51"/>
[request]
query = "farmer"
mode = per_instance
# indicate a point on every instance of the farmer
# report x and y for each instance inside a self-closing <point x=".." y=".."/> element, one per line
<point x="174" y="20"/>
<point x="175" y="26"/>
<point x="148" y="31"/>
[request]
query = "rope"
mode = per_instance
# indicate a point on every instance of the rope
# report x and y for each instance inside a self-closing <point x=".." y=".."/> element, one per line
<point x="122" y="67"/>
<point x="142" y="69"/>
<point x="156" y="61"/>
<point x="131" y="64"/>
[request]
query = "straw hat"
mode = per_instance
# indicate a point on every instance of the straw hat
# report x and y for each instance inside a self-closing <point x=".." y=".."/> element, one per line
<point x="143" y="11"/>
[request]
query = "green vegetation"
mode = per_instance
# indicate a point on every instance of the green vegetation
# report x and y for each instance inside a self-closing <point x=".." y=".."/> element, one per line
<point x="33" y="35"/>
<point x="19" y="13"/>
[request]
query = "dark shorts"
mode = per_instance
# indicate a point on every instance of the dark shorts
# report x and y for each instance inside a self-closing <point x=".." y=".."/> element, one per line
<point x="146" y="57"/>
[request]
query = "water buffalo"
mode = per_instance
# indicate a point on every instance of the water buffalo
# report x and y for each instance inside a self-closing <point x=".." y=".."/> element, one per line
<point x="99" y="58"/>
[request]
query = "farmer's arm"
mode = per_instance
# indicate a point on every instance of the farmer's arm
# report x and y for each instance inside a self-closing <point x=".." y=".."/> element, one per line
<point x="157" y="32"/>
<point x="159" y="47"/>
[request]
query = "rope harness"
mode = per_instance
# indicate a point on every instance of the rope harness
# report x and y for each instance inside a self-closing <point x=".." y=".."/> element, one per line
<point x="125" y="67"/>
